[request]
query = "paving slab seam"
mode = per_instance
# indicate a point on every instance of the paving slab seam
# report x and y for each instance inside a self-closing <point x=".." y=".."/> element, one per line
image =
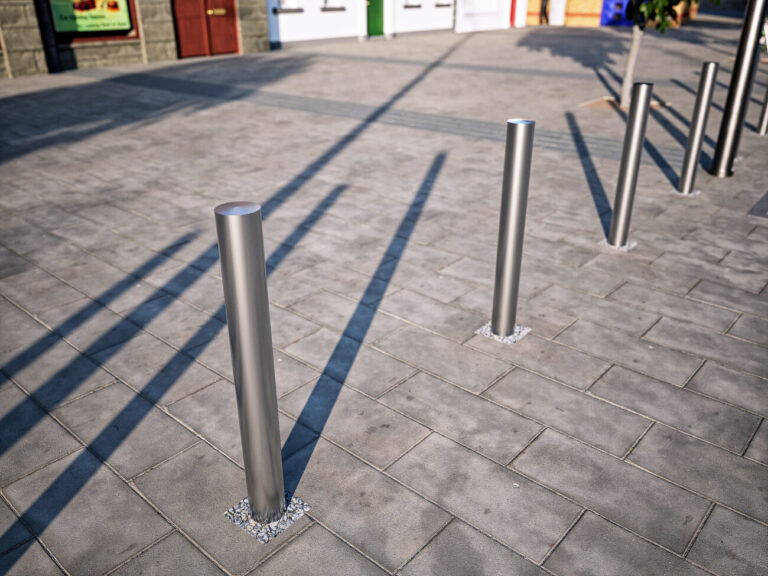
<point x="141" y="551"/>
<point x="638" y="440"/>
<point x="563" y="536"/>
<point x="290" y="537"/>
<point x="535" y="437"/>
<point x="699" y="528"/>
<point x="451" y="519"/>
<point x="596" y="380"/>
<point x="32" y="536"/>
<point x="749" y="441"/>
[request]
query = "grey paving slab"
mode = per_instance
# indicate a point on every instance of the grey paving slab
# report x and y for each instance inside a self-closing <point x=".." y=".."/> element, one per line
<point x="12" y="264"/>
<point x="372" y="372"/>
<point x="361" y="425"/>
<point x="745" y="390"/>
<point x="430" y="283"/>
<point x="288" y="327"/>
<point x="758" y="448"/>
<point x="17" y="329"/>
<point x="468" y="419"/>
<point x="597" y="310"/>
<point x="743" y="278"/>
<point x="547" y="358"/>
<point x="673" y="306"/>
<point x="365" y="508"/>
<point x="195" y="489"/>
<point x="630" y="497"/>
<point x="52" y="505"/>
<point x="317" y="551"/>
<point x="656" y="361"/>
<point x="595" y="547"/>
<point x="731" y="297"/>
<point x="731" y="544"/>
<point x="722" y="348"/>
<point x="751" y="328"/>
<point x="680" y="408"/>
<point x="36" y="290"/>
<point x="527" y="518"/>
<point x="463" y="551"/>
<point x="467" y="368"/>
<point x="598" y="423"/>
<point x="125" y="429"/>
<point x="679" y="282"/>
<point x="14" y="533"/>
<point x="31" y="559"/>
<point x="174" y="554"/>
<point x="446" y="320"/>
<point x="29" y="438"/>
<point x="711" y="471"/>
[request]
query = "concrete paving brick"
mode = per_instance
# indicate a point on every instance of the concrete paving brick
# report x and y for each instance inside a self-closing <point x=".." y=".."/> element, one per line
<point x="425" y="281"/>
<point x="53" y="371"/>
<point x="28" y="559"/>
<point x="14" y="533"/>
<point x="372" y="372"/>
<point x="463" y="551"/>
<point x="745" y="390"/>
<point x="695" y="340"/>
<point x="472" y="421"/>
<point x="367" y="509"/>
<point x="758" y="448"/>
<point x="595" y="547"/>
<point x="656" y="361"/>
<point x="195" y="489"/>
<point x="467" y="368"/>
<point x="546" y="357"/>
<point x="286" y="290"/>
<point x="29" y="438"/>
<point x="731" y="544"/>
<point x="630" y="497"/>
<point x="597" y="310"/>
<point x="591" y="281"/>
<point x="751" y="328"/>
<point x="361" y="425"/>
<point x="172" y="554"/>
<point x="719" y="475"/>
<point x="51" y="505"/>
<point x="446" y="320"/>
<point x="288" y="327"/>
<point x="36" y="290"/>
<point x="680" y="282"/>
<point x="672" y="306"/>
<point x="125" y="429"/>
<point x="17" y="330"/>
<point x="598" y="423"/>
<point x="317" y="551"/>
<point x="12" y="264"/>
<point x="730" y="297"/>
<point x="515" y="511"/>
<point x="708" y="419"/>
<point x="740" y="277"/>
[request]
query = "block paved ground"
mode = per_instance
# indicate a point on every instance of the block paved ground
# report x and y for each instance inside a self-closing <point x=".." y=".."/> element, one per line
<point x="625" y="435"/>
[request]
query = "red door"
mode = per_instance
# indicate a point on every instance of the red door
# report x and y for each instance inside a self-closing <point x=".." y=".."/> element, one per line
<point x="205" y="27"/>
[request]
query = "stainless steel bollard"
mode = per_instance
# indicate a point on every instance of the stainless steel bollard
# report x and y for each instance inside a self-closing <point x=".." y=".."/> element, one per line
<point x="514" y="200"/>
<point x="762" y="127"/>
<point x="698" y="127"/>
<point x="630" y="163"/>
<point x="735" y="110"/>
<point x="244" y="275"/>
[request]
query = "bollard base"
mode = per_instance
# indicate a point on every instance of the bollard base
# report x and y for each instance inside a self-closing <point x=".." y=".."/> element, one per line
<point x="626" y="248"/>
<point x="693" y="194"/>
<point x="514" y="338"/>
<point x="240" y="514"/>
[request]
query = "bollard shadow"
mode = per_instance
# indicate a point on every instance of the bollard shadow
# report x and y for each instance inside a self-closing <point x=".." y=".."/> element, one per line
<point x="301" y="442"/>
<point x="43" y="511"/>
<point x="602" y="205"/>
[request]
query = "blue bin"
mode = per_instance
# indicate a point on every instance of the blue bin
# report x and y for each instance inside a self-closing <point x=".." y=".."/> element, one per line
<point x="614" y="13"/>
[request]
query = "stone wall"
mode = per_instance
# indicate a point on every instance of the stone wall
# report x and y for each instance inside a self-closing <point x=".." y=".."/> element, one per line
<point x="157" y="28"/>
<point x="22" y="44"/>
<point x="254" y="36"/>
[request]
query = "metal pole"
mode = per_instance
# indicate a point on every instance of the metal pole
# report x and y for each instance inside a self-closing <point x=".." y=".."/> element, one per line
<point x="762" y="127"/>
<point x="514" y="200"/>
<point x="738" y="93"/>
<point x="698" y="127"/>
<point x="630" y="163"/>
<point x="244" y="275"/>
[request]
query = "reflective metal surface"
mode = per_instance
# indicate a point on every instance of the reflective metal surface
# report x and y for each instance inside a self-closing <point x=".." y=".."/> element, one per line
<point x="698" y="127"/>
<point x="762" y="126"/>
<point x="244" y="276"/>
<point x="630" y="163"/>
<point x="514" y="200"/>
<point x="735" y="110"/>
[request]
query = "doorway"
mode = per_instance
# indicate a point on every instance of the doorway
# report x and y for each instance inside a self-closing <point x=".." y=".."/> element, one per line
<point x="375" y="17"/>
<point x="205" y="27"/>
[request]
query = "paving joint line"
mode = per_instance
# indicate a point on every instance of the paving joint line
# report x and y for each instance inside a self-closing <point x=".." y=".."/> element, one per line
<point x="551" y="550"/>
<point x="699" y="528"/>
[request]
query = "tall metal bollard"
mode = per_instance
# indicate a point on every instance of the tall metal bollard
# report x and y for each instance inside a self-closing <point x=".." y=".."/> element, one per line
<point x="762" y="127"/>
<point x="244" y="275"/>
<point x="738" y="93"/>
<point x="630" y="163"/>
<point x="514" y="200"/>
<point x="698" y="127"/>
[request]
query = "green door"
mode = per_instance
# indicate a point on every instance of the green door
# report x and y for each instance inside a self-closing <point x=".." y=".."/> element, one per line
<point x="375" y="17"/>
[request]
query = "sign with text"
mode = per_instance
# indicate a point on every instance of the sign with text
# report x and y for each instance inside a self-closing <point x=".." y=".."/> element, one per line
<point x="74" y="16"/>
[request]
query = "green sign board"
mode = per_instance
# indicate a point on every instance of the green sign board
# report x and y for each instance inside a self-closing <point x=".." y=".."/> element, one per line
<point x="73" y="16"/>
